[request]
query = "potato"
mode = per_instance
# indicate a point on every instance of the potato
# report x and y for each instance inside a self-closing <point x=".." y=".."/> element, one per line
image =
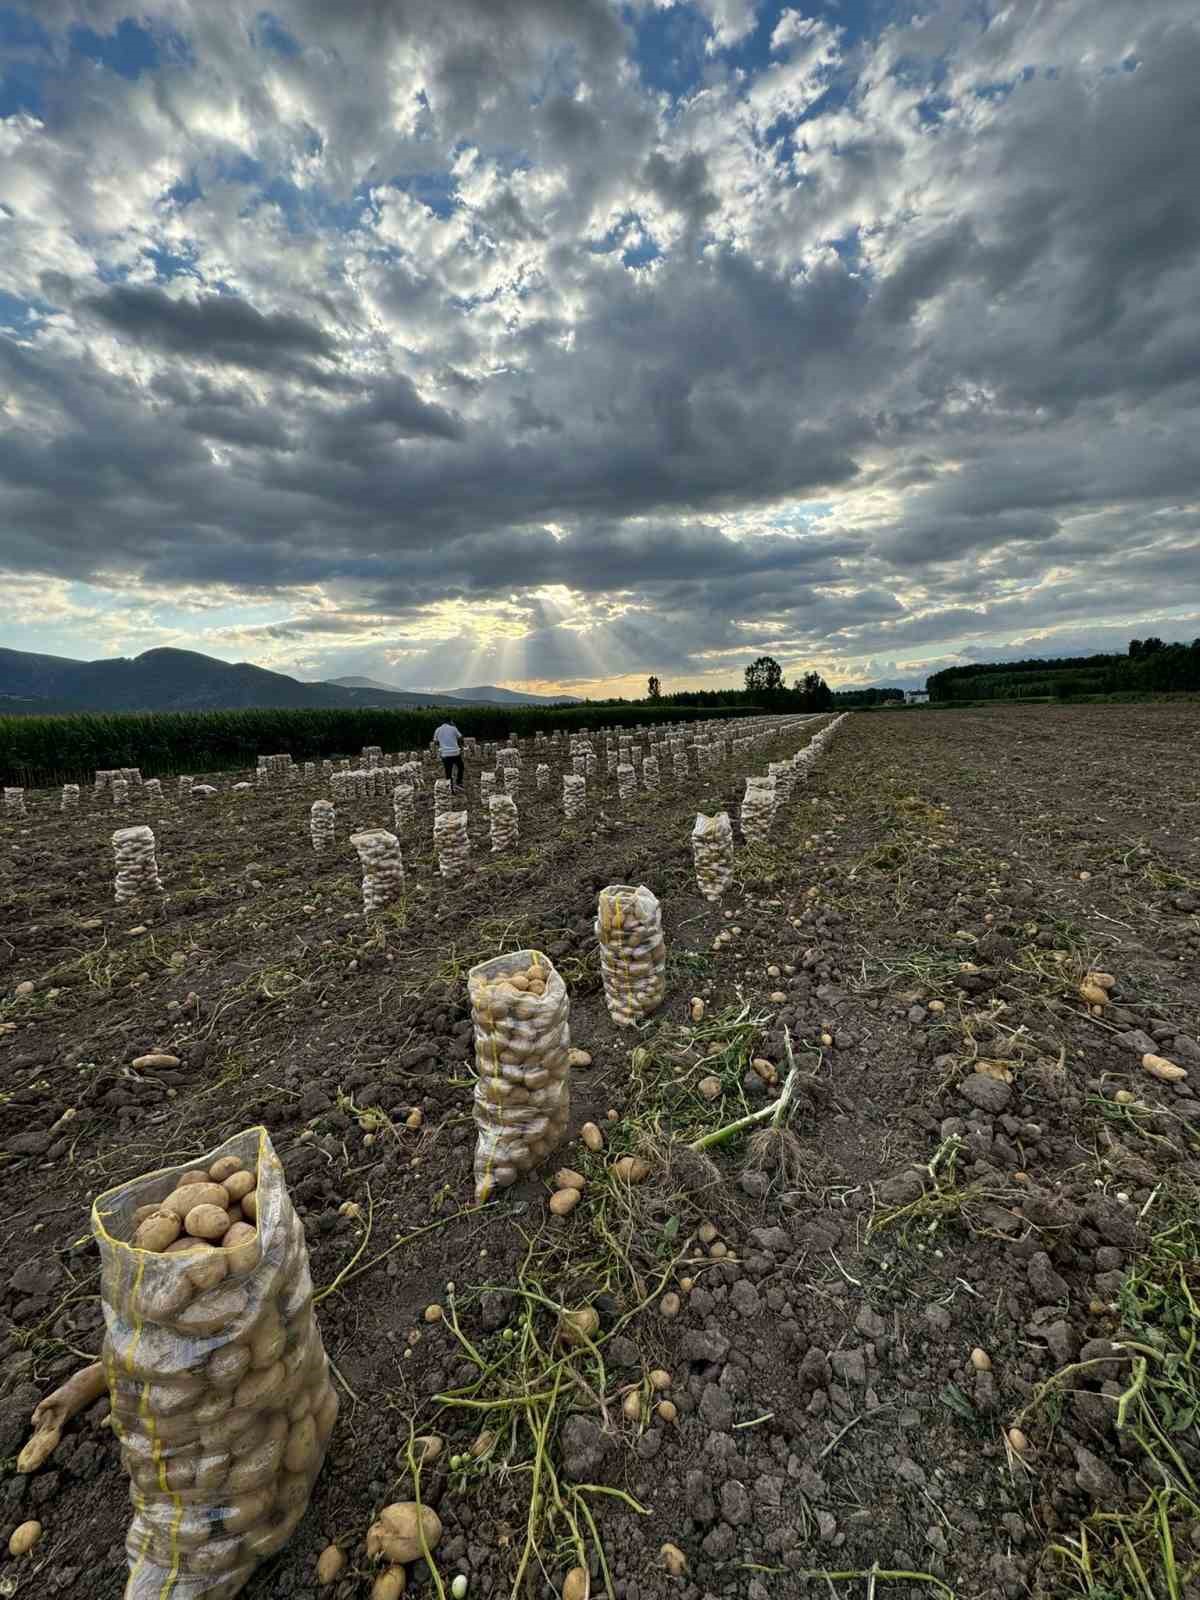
<point x="267" y="1342"/>
<point x="270" y="1537"/>
<point x="292" y="1490"/>
<point x="164" y="1297"/>
<point x="209" y="1270"/>
<point x="195" y="1175"/>
<point x="180" y="1430"/>
<point x="390" y="1585"/>
<point x="157" y="1232"/>
<point x="185" y="1199"/>
<point x="216" y="1404"/>
<point x="212" y="1468"/>
<point x="207" y="1221"/>
<point x="177" y="1472"/>
<point x="239" y="1184"/>
<point x="215" y="1557"/>
<point x="260" y="1385"/>
<point x="578" y="1327"/>
<point x="169" y="1398"/>
<point x="224" y="1167"/>
<point x="235" y="1214"/>
<point x="214" y="1311"/>
<point x="326" y="1414"/>
<point x="234" y="1431"/>
<point x="241" y="1241"/>
<point x="577" y="1585"/>
<point x="249" y="1203"/>
<point x="400" y="1530"/>
<point x="226" y="1368"/>
<point x="245" y="1510"/>
<point x="300" y="1407"/>
<point x="142" y="1212"/>
<point x="253" y="1468"/>
<point x="302" y="1448"/>
<point x="330" y="1564"/>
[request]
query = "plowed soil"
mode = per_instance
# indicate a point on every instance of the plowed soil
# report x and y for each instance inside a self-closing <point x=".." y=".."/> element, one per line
<point x="981" y="1186"/>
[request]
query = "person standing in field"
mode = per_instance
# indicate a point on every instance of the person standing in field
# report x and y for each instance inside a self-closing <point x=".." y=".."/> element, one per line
<point x="449" y="743"/>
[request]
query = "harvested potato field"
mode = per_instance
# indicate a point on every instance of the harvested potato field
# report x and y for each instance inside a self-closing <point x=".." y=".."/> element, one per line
<point x="867" y="1265"/>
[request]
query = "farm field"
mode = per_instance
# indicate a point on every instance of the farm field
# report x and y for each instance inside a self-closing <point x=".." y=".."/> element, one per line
<point x="887" y="1338"/>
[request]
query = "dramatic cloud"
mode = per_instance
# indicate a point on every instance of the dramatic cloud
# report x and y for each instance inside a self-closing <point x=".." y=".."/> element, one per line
<point x="563" y="341"/>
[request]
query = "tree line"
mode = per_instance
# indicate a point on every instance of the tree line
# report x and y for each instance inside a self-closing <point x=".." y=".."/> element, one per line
<point x="1149" y="665"/>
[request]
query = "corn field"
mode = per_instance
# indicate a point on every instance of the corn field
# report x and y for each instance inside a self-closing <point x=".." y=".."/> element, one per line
<point x="39" y="751"/>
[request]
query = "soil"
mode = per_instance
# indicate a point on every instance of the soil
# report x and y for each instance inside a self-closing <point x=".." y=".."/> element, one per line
<point x="963" y="1175"/>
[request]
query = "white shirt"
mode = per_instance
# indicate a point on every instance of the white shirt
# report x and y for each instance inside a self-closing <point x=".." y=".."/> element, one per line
<point x="447" y="739"/>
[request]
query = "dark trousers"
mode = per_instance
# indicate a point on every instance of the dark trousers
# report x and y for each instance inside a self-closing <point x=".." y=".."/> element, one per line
<point x="452" y="765"/>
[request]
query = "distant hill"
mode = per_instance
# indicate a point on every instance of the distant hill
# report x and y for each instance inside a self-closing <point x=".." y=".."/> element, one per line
<point x="169" y="680"/>
<point x="486" y="694"/>
<point x="489" y="694"/>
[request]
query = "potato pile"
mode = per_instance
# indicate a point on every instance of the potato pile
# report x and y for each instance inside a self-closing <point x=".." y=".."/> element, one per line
<point x="505" y="825"/>
<point x="137" y="868"/>
<point x="579" y="764"/>
<point x="679" y="762"/>
<point x="120" y="792"/>
<point x="202" y="1212"/>
<point x="70" y="796"/>
<point x="650" y="774"/>
<point x="383" y="868"/>
<point x="521" y="1014"/>
<point x="758" y="809"/>
<point x="712" y="851"/>
<point x="218" y="1380"/>
<point x="487" y="786"/>
<point x="14" y="802"/>
<point x="542" y="777"/>
<point x="321" y="825"/>
<point x="443" y="798"/>
<point x="152" y="791"/>
<point x="452" y="842"/>
<point x="626" y="780"/>
<point x="574" y="795"/>
<point x="633" y="954"/>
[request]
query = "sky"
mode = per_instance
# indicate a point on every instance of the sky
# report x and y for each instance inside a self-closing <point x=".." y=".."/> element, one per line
<point x="555" y="343"/>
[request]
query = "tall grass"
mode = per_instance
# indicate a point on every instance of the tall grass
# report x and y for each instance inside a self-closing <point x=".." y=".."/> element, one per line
<point x="38" y="751"/>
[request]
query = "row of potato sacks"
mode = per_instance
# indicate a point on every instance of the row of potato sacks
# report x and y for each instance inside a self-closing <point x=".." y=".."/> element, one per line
<point x="219" y="1383"/>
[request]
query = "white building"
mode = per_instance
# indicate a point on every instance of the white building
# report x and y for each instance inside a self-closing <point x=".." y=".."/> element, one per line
<point x="916" y="697"/>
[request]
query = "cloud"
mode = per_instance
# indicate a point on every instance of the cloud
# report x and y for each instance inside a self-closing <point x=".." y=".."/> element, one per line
<point x="449" y="331"/>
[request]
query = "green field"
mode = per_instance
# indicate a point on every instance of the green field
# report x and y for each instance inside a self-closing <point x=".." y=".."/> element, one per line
<point x="38" y="751"/>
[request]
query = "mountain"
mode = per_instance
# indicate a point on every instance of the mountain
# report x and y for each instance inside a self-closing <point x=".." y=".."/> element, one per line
<point x="169" y="680"/>
<point x="489" y="694"/>
<point x="361" y="683"/>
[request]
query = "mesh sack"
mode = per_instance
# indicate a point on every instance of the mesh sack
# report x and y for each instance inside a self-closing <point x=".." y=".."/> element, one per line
<point x="712" y="850"/>
<point x="522" y="1089"/>
<point x="218" y="1383"/>
<point x="633" y="955"/>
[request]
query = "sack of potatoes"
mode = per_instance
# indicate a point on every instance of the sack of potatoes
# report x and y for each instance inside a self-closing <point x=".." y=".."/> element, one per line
<point x="218" y="1381"/>
<point x="521" y="1013"/>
